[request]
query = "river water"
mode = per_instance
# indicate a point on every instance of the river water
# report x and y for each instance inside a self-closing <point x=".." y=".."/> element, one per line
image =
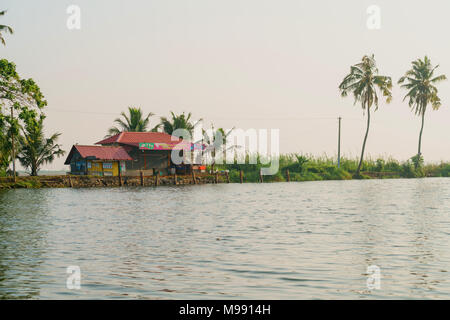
<point x="309" y="240"/>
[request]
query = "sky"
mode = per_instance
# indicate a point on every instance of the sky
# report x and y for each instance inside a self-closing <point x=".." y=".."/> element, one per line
<point x="247" y="64"/>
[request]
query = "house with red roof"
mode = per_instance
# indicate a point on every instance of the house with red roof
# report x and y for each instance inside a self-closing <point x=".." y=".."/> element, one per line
<point x="97" y="160"/>
<point x="129" y="153"/>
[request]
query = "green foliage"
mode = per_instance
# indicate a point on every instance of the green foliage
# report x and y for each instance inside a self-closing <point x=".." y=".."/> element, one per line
<point x="133" y="122"/>
<point x="181" y="121"/>
<point x="379" y="165"/>
<point x="420" y="82"/>
<point x="19" y="95"/>
<point x="407" y="170"/>
<point x="417" y="160"/>
<point x="441" y="170"/>
<point x="392" y="165"/>
<point x="363" y="82"/>
<point x="4" y="29"/>
<point x="21" y="184"/>
<point x="16" y="92"/>
<point x="37" y="150"/>
<point x="215" y="141"/>
<point x="310" y="168"/>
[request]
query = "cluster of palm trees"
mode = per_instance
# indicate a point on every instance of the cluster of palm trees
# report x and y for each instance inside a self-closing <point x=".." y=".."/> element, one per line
<point x="214" y="139"/>
<point x="365" y="84"/>
<point x="137" y="121"/>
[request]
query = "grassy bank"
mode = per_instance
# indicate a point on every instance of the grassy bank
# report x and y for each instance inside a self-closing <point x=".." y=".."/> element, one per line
<point x="301" y="168"/>
<point x="21" y="183"/>
<point x="310" y="168"/>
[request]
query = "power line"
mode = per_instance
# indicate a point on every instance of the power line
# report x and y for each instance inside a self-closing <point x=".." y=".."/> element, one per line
<point x="217" y="118"/>
<point x="88" y="112"/>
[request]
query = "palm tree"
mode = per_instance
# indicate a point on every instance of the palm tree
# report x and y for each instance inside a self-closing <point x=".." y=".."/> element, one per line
<point x="133" y="122"/>
<point x="216" y="141"/>
<point x="5" y="29"/>
<point x="363" y="81"/>
<point x="37" y="150"/>
<point x="181" y="121"/>
<point x="420" y="81"/>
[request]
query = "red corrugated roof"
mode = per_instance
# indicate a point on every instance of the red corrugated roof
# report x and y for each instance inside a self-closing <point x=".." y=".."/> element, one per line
<point x="100" y="153"/>
<point x="134" y="138"/>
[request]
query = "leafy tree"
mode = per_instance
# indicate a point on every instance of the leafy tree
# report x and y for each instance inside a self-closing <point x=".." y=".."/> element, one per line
<point x="16" y="94"/>
<point x="36" y="150"/>
<point x="181" y="121"/>
<point x="8" y="130"/>
<point x="133" y="122"/>
<point x="420" y="82"/>
<point x="5" y="29"/>
<point x="4" y="149"/>
<point x="363" y="81"/>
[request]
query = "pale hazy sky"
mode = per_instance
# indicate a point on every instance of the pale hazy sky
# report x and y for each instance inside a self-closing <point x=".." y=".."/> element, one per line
<point x="244" y="63"/>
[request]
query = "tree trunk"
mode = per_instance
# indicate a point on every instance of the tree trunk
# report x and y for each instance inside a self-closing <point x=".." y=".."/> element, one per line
<point x="13" y="151"/>
<point x="33" y="170"/>
<point x="420" y="136"/>
<point x="364" y="143"/>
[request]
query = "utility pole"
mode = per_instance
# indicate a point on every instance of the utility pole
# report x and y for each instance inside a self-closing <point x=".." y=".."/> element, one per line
<point x="339" y="143"/>
<point x="13" y="151"/>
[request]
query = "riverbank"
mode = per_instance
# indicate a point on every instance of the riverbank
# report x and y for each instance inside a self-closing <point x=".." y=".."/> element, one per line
<point x="291" y="168"/>
<point x="70" y="181"/>
<point x="296" y="167"/>
<point x="66" y="181"/>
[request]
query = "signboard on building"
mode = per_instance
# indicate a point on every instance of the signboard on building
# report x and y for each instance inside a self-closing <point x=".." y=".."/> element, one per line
<point x="168" y="146"/>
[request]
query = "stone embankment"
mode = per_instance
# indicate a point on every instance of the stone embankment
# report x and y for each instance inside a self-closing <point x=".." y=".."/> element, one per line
<point x="71" y="181"/>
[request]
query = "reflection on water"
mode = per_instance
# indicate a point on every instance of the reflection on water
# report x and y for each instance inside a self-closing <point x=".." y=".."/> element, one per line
<point x="23" y="227"/>
<point x="280" y="241"/>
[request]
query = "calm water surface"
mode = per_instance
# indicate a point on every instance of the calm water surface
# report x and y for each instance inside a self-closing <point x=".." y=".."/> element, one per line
<point x="251" y="241"/>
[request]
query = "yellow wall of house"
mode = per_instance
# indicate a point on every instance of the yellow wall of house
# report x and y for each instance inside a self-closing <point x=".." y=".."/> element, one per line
<point x="103" y="168"/>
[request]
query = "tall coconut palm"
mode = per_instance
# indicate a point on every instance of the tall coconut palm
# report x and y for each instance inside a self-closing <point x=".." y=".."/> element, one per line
<point x="364" y="82"/>
<point x="4" y="29"/>
<point x="133" y="122"/>
<point x="181" y="121"/>
<point x="420" y="82"/>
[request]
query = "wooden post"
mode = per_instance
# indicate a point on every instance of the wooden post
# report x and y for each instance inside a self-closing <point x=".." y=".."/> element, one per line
<point x="288" y="177"/>
<point x="193" y="176"/>
<point x="175" y="182"/>
<point x="120" y="175"/>
<point x="228" y="176"/>
<point x="241" y="176"/>
<point x="261" y="176"/>
<point x="142" y="178"/>
<point x="156" y="178"/>
<point x="216" y="177"/>
<point x="70" y="182"/>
